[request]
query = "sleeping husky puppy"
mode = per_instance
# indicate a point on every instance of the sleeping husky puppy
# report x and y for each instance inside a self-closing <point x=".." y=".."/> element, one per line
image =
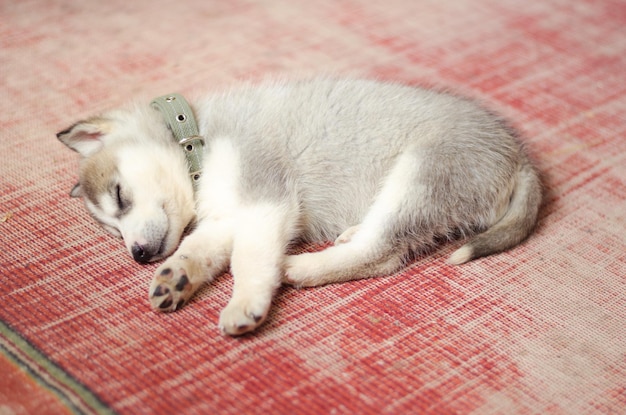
<point x="385" y="170"/>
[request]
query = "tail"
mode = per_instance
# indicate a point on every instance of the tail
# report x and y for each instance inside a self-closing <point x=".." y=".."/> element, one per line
<point x="513" y="227"/>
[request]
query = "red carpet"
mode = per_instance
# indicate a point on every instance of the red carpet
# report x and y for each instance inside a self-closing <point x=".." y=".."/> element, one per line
<point x="536" y="330"/>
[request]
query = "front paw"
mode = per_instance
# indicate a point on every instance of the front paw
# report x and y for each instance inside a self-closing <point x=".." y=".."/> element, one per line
<point x="243" y="315"/>
<point x="170" y="289"/>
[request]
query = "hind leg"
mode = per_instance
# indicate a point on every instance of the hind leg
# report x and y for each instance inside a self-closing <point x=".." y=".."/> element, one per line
<point x="347" y="235"/>
<point x="371" y="248"/>
<point x="340" y="264"/>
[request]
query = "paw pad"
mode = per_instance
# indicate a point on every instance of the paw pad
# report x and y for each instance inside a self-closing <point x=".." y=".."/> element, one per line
<point x="160" y="291"/>
<point x="167" y="303"/>
<point x="182" y="283"/>
<point x="170" y="290"/>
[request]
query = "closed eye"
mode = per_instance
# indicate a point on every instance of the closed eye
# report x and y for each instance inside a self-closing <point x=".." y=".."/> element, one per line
<point x="122" y="203"/>
<point x="118" y="197"/>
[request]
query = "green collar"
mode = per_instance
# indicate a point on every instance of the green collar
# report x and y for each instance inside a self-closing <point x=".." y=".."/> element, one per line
<point x="179" y="118"/>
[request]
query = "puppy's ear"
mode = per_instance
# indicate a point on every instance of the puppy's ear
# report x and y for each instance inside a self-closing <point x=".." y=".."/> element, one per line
<point x="76" y="191"/>
<point x="85" y="137"/>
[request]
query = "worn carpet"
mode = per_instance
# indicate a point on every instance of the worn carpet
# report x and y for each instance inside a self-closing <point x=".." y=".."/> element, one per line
<point x="540" y="329"/>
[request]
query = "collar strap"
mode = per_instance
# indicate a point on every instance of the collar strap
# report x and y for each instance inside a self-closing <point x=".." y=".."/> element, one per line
<point x="179" y="118"/>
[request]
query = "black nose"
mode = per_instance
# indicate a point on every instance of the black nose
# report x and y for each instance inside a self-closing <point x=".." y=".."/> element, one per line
<point x="141" y="254"/>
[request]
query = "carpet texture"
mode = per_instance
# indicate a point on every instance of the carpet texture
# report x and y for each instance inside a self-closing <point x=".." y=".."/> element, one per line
<point x="536" y="330"/>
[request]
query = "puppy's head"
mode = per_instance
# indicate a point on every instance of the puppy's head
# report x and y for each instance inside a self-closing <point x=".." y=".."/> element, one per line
<point x="133" y="179"/>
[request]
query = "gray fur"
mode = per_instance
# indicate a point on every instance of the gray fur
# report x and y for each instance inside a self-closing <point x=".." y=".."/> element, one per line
<point x="333" y="144"/>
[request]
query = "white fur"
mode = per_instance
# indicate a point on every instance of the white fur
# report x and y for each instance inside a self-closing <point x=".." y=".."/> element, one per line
<point x="217" y="196"/>
<point x="262" y="233"/>
<point x="460" y="256"/>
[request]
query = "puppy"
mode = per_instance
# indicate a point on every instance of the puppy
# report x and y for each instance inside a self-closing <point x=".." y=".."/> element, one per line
<point x="385" y="170"/>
